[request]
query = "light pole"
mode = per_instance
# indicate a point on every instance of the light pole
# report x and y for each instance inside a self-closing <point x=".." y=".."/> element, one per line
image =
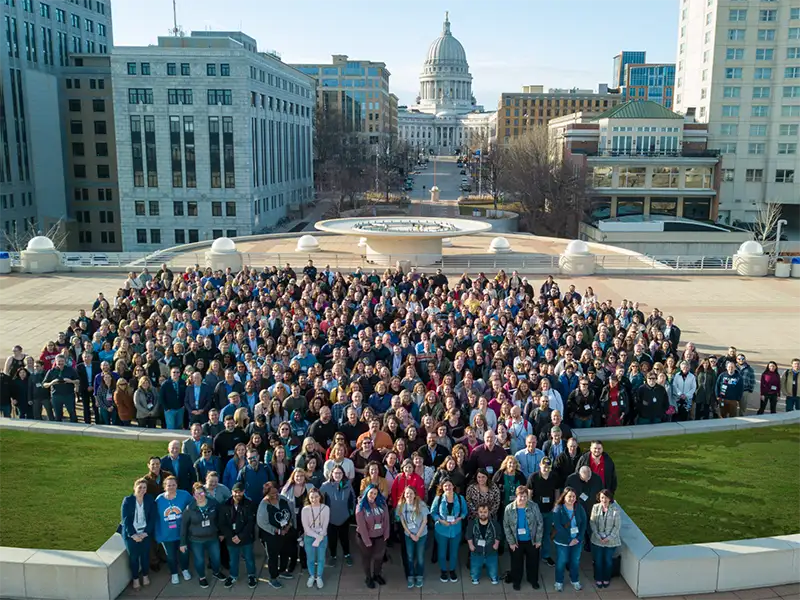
<point x="781" y="223"/>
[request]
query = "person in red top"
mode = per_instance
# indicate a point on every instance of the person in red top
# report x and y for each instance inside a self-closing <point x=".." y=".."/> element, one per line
<point x="770" y="388"/>
<point x="601" y="464"/>
<point x="406" y="478"/>
<point x="614" y="402"/>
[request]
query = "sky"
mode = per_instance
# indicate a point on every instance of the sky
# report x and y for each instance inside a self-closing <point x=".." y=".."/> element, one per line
<point x="509" y="43"/>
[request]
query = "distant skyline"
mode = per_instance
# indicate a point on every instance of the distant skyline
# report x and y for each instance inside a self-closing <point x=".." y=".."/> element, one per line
<point x="564" y="44"/>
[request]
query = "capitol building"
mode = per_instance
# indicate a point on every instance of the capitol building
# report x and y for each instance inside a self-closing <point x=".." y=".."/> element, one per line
<point x="445" y="116"/>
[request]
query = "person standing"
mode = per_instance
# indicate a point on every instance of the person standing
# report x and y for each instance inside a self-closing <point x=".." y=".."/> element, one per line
<point x="180" y="465"/>
<point x="87" y="371"/>
<point x="448" y="511"/>
<point x="144" y="398"/>
<point x="341" y="499"/>
<point x="41" y="396"/>
<point x="790" y="384"/>
<point x="522" y="527"/>
<point x="274" y="519"/>
<point x="171" y="506"/>
<point x="372" y="527"/>
<point x="171" y="398"/>
<point x="605" y="523"/>
<point x="61" y="380"/>
<point x="412" y="513"/>
<point x="570" y="523"/>
<point x="544" y="488"/>
<point x="200" y="526"/>
<point x="729" y="390"/>
<point x="601" y="464"/>
<point x="237" y="520"/>
<point x="483" y="538"/>
<point x="138" y="522"/>
<point x="315" y="517"/>
<point x="770" y="388"/>
<point x="749" y="392"/>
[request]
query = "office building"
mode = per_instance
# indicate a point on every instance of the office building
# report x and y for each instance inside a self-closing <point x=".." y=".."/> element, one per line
<point x="214" y="138"/>
<point x="621" y="61"/>
<point x="40" y="39"/>
<point x="636" y="79"/>
<point x="359" y="89"/>
<point x="90" y="155"/>
<point x="521" y="112"/>
<point x="739" y="71"/>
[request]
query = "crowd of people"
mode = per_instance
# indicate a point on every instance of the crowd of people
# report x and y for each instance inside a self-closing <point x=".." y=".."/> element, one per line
<point x="414" y="407"/>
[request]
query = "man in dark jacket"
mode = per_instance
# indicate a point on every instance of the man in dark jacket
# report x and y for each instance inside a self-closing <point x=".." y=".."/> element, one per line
<point x="213" y="426"/>
<point x="324" y="428"/>
<point x="87" y="371"/>
<point x="601" y="465"/>
<point x="433" y="453"/>
<point x="544" y="491"/>
<point x="586" y="485"/>
<point x="171" y="397"/>
<point x="237" y="520"/>
<point x="180" y="465"/>
<point x="225" y="441"/>
<point x="729" y="390"/>
<point x="652" y="402"/>
<point x="198" y="399"/>
<point x="225" y="387"/>
<point x="567" y="462"/>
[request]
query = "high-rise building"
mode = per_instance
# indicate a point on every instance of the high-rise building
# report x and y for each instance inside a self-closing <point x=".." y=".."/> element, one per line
<point x="40" y="39"/>
<point x="636" y="79"/>
<point x="621" y="60"/>
<point x="214" y="138"/>
<point x="359" y="89"/>
<point x="739" y="71"/>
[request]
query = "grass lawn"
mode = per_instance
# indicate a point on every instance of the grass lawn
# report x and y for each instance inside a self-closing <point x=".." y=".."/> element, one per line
<point x="711" y="487"/>
<point x="64" y="492"/>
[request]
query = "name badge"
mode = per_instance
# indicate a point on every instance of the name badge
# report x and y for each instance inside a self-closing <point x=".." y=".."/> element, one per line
<point x="574" y="531"/>
<point x="645" y="402"/>
<point x="230" y="452"/>
<point x="545" y="500"/>
<point x="614" y="403"/>
<point x="490" y="470"/>
<point x="774" y="387"/>
<point x="481" y="543"/>
<point x="234" y="527"/>
<point x="378" y="526"/>
<point x="172" y="526"/>
<point x="584" y="497"/>
<point x="521" y="531"/>
<point x="451" y="519"/>
<point x="206" y="523"/>
<point x="352" y="443"/>
<point x="587" y="407"/>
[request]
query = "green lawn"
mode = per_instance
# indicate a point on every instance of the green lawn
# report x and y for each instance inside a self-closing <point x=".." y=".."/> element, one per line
<point x="64" y="492"/>
<point x="711" y="487"/>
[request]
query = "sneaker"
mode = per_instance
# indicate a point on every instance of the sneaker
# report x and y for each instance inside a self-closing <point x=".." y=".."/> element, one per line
<point x="535" y="585"/>
<point x="370" y="583"/>
<point x="311" y="581"/>
<point x="332" y="561"/>
<point x="136" y="585"/>
<point x="320" y="583"/>
<point x="550" y="562"/>
<point x="286" y="575"/>
<point x="379" y="580"/>
<point x="475" y="582"/>
<point x="348" y="560"/>
<point x="517" y="587"/>
<point x="444" y="577"/>
<point x="559" y="587"/>
<point x="410" y="584"/>
<point x="252" y="582"/>
<point x="175" y="580"/>
<point x="220" y="576"/>
<point x="453" y="576"/>
<point x="229" y="583"/>
<point x="203" y="582"/>
<point x="419" y="581"/>
<point x="578" y="587"/>
<point x="275" y="584"/>
<point x="495" y="581"/>
<point x="145" y="580"/>
<point x="186" y="575"/>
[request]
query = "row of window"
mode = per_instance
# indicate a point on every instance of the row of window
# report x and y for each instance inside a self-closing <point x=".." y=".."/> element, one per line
<point x="759" y="148"/>
<point x="85" y="216"/>
<point x="735" y="91"/>
<point x="103" y="171"/>
<point x="180" y="235"/>
<point x="560" y="102"/>
<point x="103" y="194"/>
<point x="761" y="73"/>
<point x="100" y="149"/>
<point x="757" y="175"/>
<point x="179" y="96"/>
<point x="154" y="209"/>
<point x="761" y="53"/>
<point x="94" y="84"/>
<point x="76" y="127"/>
<point x="61" y="17"/>
<point x="767" y="15"/>
<point x="764" y="35"/>
<point x="661" y="177"/>
<point x="278" y="82"/>
<point x="106" y="237"/>
<point x="98" y="105"/>
<point x="185" y="69"/>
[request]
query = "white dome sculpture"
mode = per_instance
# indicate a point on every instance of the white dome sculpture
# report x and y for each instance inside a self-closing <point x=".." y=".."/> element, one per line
<point x="577" y="248"/>
<point x="751" y="248"/>
<point x="40" y="243"/>
<point x="446" y="48"/>
<point x="307" y="243"/>
<point x="223" y="245"/>
<point x="499" y="245"/>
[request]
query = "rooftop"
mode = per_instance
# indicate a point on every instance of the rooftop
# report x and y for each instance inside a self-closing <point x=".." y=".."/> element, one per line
<point x="639" y="109"/>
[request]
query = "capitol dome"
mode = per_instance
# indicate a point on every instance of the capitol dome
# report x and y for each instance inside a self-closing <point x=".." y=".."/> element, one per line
<point x="446" y="48"/>
<point x="445" y="82"/>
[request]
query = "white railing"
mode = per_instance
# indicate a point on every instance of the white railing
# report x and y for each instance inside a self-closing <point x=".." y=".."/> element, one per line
<point x="665" y="264"/>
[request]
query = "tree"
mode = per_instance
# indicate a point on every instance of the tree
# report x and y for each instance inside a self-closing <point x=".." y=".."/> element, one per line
<point x="489" y="166"/>
<point x="766" y="223"/>
<point x="391" y="163"/>
<point x="550" y="191"/>
<point x="17" y="240"/>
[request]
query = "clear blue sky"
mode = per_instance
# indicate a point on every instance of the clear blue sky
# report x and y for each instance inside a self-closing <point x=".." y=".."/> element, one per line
<point x="509" y="43"/>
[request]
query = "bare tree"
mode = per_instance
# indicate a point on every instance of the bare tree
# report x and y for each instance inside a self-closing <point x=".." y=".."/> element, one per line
<point x="766" y="223"/>
<point x="17" y="240"/>
<point x="490" y="166"/>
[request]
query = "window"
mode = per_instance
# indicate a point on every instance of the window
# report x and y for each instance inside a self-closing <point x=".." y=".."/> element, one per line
<point x="155" y="236"/>
<point x="794" y="14"/>
<point x="180" y="96"/>
<point x="731" y="92"/>
<point x="790" y="111"/>
<point x="730" y="110"/>
<point x="762" y="73"/>
<point x="787" y="148"/>
<point x="792" y="53"/>
<point x="77" y="149"/>
<point x="74" y="105"/>
<point x="766" y="35"/>
<point x="191" y="209"/>
<point x="734" y="54"/>
<point x="101" y="149"/>
<point x="630" y="206"/>
<point x="76" y="127"/>
<point x="758" y="130"/>
<point x="754" y="175"/>
<point x="765" y="53"/>
<point x="230" y="209"/>
<point x="664" y="206"/>
<point x="172" y="69"/>
<point x="145" y="68"/>
<point x="141" y="236"/>
<point x="153" y="208"/>
<point x="225" y="70"/>
<point x="737" y="14"/>
<point x="790" y="130"/>
<point x="140" y="95"/>
<point x="794" y="33"/>
<point x="131" y="68"/>
<point x="99" y="105"/>
<point x="217" y="233"/>
<point x="697" y="209"/>
<point x="760" y="110"/>
<point x="733" y="73"/>
<point x="756" y="148"/>
<point x="601" y="177"/>
<point x="632" y="177"/>
<point x="103" y="172"/>
<point x="100" y="128"/>
<point x="761" y="92"/>
<point x="727" y="148"/>
<point x="767" y="16"/>
<point x="727" y="174"/>
<point x="792" y="73"/>
<point x="194" y="236"/>
<point x="220" y="97"/>
<point x="177" y="209"/>
<point x="729" y="129"/>
<point x="180" y="236"/>
<point x="784" y="176"/>
<point x="736" y="35"/>
<point x="665" y="177"/>
<point x="216" y="209"/>
<point x="139" y="208"/>
<point x="211" y="69"/>
<point x="791" y="91"/>
<point x="79" y="171"/>
<point x="185" y="69"/>
<point x="698" y="177"/>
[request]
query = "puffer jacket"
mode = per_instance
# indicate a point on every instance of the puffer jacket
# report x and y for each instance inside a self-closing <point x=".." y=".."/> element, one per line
<point x="606" y="526"/>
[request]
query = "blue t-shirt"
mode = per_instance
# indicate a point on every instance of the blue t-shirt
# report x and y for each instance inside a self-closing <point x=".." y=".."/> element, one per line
<point x="523" y="533"/>
<point x="170" y="514"/>
<point x="573" y="523"/>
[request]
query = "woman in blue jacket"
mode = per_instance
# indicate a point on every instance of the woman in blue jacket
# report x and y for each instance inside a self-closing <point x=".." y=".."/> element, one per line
<point x="138" y="519"/>
<point x="569" y="522"/>
<point x="206" y="463"/>
<point x="448" y="511"/>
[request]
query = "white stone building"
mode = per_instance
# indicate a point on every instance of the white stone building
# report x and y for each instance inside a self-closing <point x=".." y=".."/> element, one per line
<point x="214" y="138"/>
<point x="445" y="116"/>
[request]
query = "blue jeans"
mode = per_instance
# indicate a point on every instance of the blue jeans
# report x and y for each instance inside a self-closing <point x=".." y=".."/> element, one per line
<point x="582" y="422"/>
<point x="245" y="550"/>
<point x="138" y="556"/>
<point x="199" y="556"/>
<point x="568" y="555"/>
<point x="547" y="543"/>
<point x="315" y="557"/>
<point x="107" y="418"/>
<point x="415" y="553"/>
<point x="443" y="544"/>
<point x="792" y="403"/>
<point x="603" y="559"/>
<point x="174" y="418"/>
<point x="176" y="560"/>
<point x="478" y="560"/>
